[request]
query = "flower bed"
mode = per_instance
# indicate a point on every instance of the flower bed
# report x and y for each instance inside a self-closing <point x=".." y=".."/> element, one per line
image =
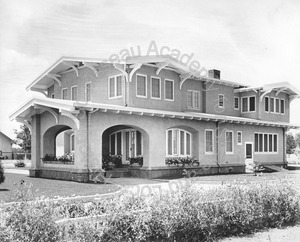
<point x="67" y="158"/>
<point x="189" y="214"/>
<point x="182" y="161"/>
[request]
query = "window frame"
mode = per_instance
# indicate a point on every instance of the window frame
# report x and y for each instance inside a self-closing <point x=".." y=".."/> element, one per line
<point x="71" y="142"/>
<point x="151" y="93"/>
<point x="136" y="85"/>
<point x="229" y="152"/>
<point x="178" y="141"/>
<point x="248" y="104"/>
<point x="193" y="104"/>
<point x="205" y="142"/>
<point x="85" y="91"/>
<point x="223" y="101"/>
<point x="115" y="87"/>
<point x="238" y="103"/>
<point x="274" y="105"/>
<point x="165" y="82"/>
<point x="282" y="113"/>
<point x="52" y="95"/>
<point x="237" y="138"/>
<point x="72" y="87"/>
<point x="268" y="102"/>
<point x="273" y="144"/>
<point x="277" y="106"/>
<point x="62" y="93"/>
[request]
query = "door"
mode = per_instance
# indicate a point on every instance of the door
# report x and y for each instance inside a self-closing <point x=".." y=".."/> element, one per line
<point x="248" y="155"/>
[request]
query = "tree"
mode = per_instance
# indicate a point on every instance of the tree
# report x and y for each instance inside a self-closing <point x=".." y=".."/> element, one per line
<point x="23" y="138"/>
<point x="297" y="139"/>
<point x="290" y="144"/>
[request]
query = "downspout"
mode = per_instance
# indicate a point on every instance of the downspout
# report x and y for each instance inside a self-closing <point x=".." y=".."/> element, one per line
<point x="217" y="145"/>
<point x="87" y="142"/>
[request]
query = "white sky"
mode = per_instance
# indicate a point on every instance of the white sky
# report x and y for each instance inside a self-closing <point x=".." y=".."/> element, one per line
<point x="253" y="42"/>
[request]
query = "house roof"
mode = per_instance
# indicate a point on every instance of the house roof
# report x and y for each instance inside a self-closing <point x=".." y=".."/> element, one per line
<point x="279" y="87"/>
<point x="28" y="109"/>
<point x="64" y="64"/>
<point x="5" y="136"/>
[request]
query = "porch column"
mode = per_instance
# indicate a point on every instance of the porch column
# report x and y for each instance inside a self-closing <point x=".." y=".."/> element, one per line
<point x="35" y="145"/>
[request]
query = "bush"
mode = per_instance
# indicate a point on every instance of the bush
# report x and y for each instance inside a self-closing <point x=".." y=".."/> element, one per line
<point x="114" y="159"/>
<point x="20" y="163"/>
<point x="139" y="160"/>
<point x="2" y="177"/>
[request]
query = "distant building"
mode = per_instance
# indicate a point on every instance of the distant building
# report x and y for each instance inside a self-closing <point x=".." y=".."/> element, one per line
<point x="157" y="108"/>
<point x="5" y="146"/>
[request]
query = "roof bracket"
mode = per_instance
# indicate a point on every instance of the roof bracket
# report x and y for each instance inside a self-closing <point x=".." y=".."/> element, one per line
<point x="50" y="110"/>
<point x="264" y="94"/>
<point x="280" y="90"/>
<point x="55" y="77"/>
<point x="161" y="66"/>
<point x="39" y="90"/>
<point x="91" y="66"/>
<point x="183" y="78"/>
<point x="25" y="122"/>
<point x="71" y="116"/>
<point x="72" y="66"/>
<point x="121" y="69"/>
<point x="135" y="68"/>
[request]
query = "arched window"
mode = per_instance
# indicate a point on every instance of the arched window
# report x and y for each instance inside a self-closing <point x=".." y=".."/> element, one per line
<point x="178" y="142"/>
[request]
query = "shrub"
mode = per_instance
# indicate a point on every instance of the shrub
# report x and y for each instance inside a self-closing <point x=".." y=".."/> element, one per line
<point x="115" y="159"/>
<point x="139" y="160"/>
<point x="2" y="177"/>
<point x="182" y="161"/>
<point x="20" y="163"/>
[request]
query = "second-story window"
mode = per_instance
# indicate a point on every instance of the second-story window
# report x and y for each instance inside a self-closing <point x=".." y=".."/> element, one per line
<point x="193" y="99"/>
<point x="236" y="103"/>
<point x="141" y="86"/>
<point x="155" y="88"/>
<point x="88" y="97"/>
<point x="248" y="104"/>
<point x="272" y="105"/>
<point x="282" y="106"/>
<point x="221" y="101"/>
<point x="267" y="103"/>
<point x="169" y="90"/>
<point x="115" y="87"/>
<point x="277" y="109"/>
<point x="64" y="93"/>
<point x="74" y="93"/>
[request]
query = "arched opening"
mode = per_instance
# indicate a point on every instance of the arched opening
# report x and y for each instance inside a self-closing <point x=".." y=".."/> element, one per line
<point x="58" y="140"/>
<point x="129" y="143"/>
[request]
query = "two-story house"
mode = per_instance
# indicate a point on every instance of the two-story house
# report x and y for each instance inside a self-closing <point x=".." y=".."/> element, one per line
<point x="157" y="108"/>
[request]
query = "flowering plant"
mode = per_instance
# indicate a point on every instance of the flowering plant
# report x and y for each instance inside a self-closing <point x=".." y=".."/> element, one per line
<point x="191" y="161"/>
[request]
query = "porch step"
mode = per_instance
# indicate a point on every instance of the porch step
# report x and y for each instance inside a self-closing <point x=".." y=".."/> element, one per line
<point x="118" y="172"/>
<point x="275" y="168"/>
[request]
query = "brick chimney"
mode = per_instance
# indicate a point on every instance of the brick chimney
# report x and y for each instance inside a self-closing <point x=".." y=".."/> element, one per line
<point x="214" y="74"/>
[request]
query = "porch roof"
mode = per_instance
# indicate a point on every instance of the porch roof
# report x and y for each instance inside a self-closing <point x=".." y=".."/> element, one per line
<point x="25" y="112"/>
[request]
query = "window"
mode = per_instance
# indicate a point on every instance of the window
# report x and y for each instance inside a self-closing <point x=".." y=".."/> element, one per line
<point x="265" y="143"/>
<point x="221" y="101"/>
<point x="229" y="142"/>
<point x="209" y="141"/>
<point x="52" y="95"/>
<point x="272" y="105"/>
<point x="236" y="103"/>
<point x="178" y="142"/>
<point x="169" y="90"/>
<point x="267" y="100"/>
<point x="239" y="137"/>
<point x="115" y="86"/>
<point x="193" y="99"/>
<point x="155" y="88"/>
<point x="88" y="95"/>
<point x="277" y="106"/>
<point x="72" y="142"/>
<point x="64" y="93"/>
<point x="248" y="104"/>
<point x="282" y="106"/>
<point x="115" y="141"/>
<point x="141" y="86"/>
<point x="74" y="93"/>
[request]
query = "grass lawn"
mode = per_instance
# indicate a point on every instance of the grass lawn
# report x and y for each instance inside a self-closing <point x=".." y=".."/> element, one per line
<point x="50" y="188"/>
